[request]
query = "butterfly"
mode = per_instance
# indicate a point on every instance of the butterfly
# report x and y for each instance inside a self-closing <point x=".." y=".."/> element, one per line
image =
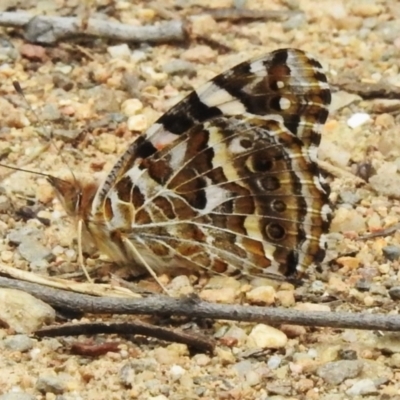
<point x="225" y="181"/>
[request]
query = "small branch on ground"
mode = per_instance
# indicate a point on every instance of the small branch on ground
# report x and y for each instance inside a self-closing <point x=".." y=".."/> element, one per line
<point x="49" y="29"/>
<point x="194" y="340"/>
<point x="381" y="90"/>
<point x="195" y="308"/>
<point x="235" y="14"/>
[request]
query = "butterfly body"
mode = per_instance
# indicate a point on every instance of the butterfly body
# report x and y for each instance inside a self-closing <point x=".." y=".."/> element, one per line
<point x="226" y="180"/>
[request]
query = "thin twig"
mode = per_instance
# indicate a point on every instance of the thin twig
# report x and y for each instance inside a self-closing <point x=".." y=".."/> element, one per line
<point x="235" y="14"/>
<point x="199" y="342"/>
<point x="50" y="29"/>
<point x="196" y="308"/>
<point x="367" y="90"/>
<point x="381" y="233"/>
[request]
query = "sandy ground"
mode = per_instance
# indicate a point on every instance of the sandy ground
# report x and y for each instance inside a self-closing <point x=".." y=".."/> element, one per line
<point x="97" y="96"/>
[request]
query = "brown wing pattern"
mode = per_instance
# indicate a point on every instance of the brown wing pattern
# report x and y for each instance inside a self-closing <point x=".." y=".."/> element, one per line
<point x="227" y="179"/>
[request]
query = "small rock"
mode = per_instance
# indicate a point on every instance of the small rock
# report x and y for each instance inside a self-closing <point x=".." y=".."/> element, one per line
<point x="266" y="337"/>
<point x="4" y="203"/>
<point x="180" y="286"/>
<point x="17" y="396"/>
<point x="349" y="197"/>
<point x="385" y="106"/>
<point x="177" y="372"/>
<point x="131" y="107"/>
<point x="50" y="384"/>
<point x="180" y="67"/>
<point x="358" y="119"/>
<point x="262" y="295"/>
<point x="20" y="343"/>
<point x="395" y="360"/>
<point x="394" y="293"/>
<point x="107" y="143"/>
<point x="362" y="387"/>
<point x="386" y="184"/>
<point x="221" y="289"/>
<point x="336" y="372"/>
<point x="66" y="135"/>
<point x="137" y="123"/>
<point x="17" y="236"/>
<point x="127" y="375"/>
<point x="165" y="356"/>
<point x="33" y="251"/>
<point x="201" y="53"/>
<point x="363" y="285"/>
<point x="274" y="362"/>
<point x="201" y="360"/>
<point x="351" y="263"/>
<point x="391" y="252"/>
<point x="346" y="220"/>
<point x="121" y="51"/>
<point x="295" y="22"/>
<point x="252" y="378"/>
<point x="33" y="52"/>
<point x="22" y="312"/>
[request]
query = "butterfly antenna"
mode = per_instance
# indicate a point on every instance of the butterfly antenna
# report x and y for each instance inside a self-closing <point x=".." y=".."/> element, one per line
<point x="19" y="90"/>
<point x="81" y="263"/>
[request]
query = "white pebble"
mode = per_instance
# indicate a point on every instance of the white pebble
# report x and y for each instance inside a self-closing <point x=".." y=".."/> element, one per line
<point x="131" y="107"/>
<point x="137" y="123"/>
<point x="358" y="119"/>
<point x="274" y="362"/>
<point x="176" y="371"/>
<point x="119" y="51"/>
<point x="266" y="337"/>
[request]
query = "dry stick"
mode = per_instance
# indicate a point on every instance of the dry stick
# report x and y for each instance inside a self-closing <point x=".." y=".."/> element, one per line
<point x="197" y="341"/>
<point x="369" y="90"/>
<point x="235" y="14"/>
<point x="196" y="308"/>
<point x="48" y="30"/>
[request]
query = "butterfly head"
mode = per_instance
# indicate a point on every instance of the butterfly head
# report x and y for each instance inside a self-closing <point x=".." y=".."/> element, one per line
<point x="75" y="196"/>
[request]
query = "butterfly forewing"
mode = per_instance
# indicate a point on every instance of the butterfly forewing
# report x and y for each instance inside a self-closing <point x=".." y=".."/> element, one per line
<point x="227" y="179"/>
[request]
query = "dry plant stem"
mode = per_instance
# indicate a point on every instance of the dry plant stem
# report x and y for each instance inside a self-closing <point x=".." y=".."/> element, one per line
<point x="382" y="90"/>
<point x="195" y="308"/>
<point x="48" y="30"/>
<point x="235" y="14"/>
<point x="197" y="341"/>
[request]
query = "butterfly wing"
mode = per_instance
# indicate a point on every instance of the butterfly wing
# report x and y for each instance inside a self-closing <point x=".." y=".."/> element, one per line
<point x="228" y="177"/>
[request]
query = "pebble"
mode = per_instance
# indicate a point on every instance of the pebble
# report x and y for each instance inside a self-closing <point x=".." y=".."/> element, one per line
<point x="394" y="293"/>
<point x="180" y="286"/>
<point x="295" y="22"/>
<point x="180" y="68"/>
<point x="131" y="107"/>
<point x="137" y="123"/>
<point x="362" y="387"/>
<point x="266" y="337"/>
<point x="17" y="396"/>
<point x="203" y="25"/>
<point x="20" y="343"/>
<point x="33" y="251"/>
<point x="274" y="362"/>
<point x="351" y="263"/>
<point x="358" y="119"/>
<point x="346" y="220"/>
<point x="286" y="298"/>
<point x="386" y="106"/>
<point x="4" y="203"/>
<point x="391" y="252"/>
<point x="200" y="54"/>
<point x="386" y="184"/>
<point x="17" y="236"/>
<point x="176" y="372"/>
<point x="51" y="384"/>
<point x="121" y="51"/>
<point x="202" y="360"/>
<point x="22" y="312"/>
<point x="262" y="295"/>
<point x="336" y="372"/>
